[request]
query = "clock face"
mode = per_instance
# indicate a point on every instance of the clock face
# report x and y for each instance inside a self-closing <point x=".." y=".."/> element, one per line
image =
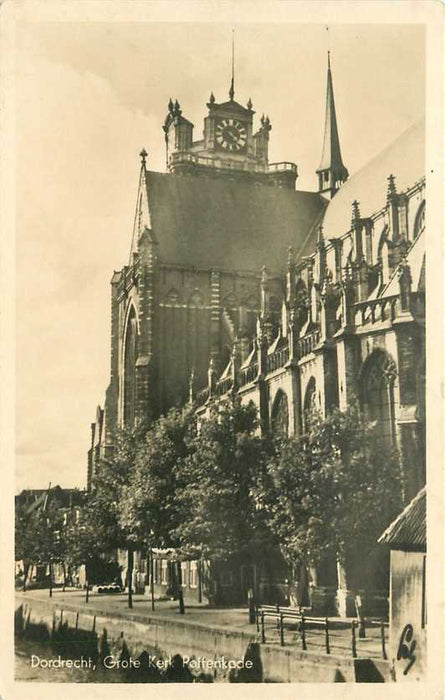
<point x="231" y="134"/>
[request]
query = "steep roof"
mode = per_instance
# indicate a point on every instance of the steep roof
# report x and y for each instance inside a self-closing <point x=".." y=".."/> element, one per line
<point x="404" y="158"/>
<point x="210" y="222"/>
<point x="408" y="531"/>
<point x="416" y="261"/>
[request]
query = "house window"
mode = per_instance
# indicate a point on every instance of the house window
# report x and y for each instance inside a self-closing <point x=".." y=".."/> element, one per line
<point x="193" y="574"/>
<point x="183" y="574"/>
<point x="156" y="570"/>
<point x="164" y="572"/>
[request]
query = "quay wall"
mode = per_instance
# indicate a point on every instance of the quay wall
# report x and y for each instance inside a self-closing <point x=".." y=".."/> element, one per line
<point x="169" y="636"/>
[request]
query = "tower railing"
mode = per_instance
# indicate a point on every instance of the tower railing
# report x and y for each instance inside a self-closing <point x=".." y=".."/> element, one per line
<point x="217" y="163"/>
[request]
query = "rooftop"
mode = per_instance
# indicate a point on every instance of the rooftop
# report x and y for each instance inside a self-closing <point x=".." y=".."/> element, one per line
<point x="408" y="531"/>
<point x="404" y="158"/>
<point x="208" y="222"/>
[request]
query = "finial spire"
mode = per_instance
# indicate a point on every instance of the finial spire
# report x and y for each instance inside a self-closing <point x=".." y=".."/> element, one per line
<point x="391" y="185"/>
<point x="143" y="154"/>
<point x="355" y="212"/>
<point x="232" y="84"/>
<point x="329" y="60"/>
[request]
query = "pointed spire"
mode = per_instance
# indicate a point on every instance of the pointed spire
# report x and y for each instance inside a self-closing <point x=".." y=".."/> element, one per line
<point x="332" y="172"/>
<point x="232" y="84"/>
<point x="264" y="299"/>
<point x="212" y="98"/>
<point x="143" y="154"/>
<point x="211" y="377"/>
<point x="249" y="104"/>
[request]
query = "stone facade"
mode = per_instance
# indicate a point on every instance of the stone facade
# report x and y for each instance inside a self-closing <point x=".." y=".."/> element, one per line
<point x="239" y="284"/>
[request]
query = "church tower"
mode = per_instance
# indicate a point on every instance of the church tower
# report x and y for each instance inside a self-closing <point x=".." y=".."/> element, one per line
<point x="331" y="171"/>
<point x="229" y="148"/>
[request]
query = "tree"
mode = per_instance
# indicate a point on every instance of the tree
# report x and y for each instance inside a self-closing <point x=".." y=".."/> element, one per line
<point x="25" y="545"/>
<point x="149" y="510"/>
<point x="104" y="509"/>
<point x="219" y="517"/>
<point x="47" y="535"/>
<point x="331" y="491"/>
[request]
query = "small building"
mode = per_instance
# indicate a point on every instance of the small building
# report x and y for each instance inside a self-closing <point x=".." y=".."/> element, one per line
<point x="406" y="537"/>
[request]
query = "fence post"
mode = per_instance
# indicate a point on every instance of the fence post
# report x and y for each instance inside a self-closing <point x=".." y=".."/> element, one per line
<point x="303" y="633"/>
<point x="77" y="620"/>
<point x="326" y="636"/>
<point x="94" y="624"/>
<point x="281" y="630"/>
<point x="382" y="635"/>
<point x="263" y="632"/>
<point x="353" y="640"/>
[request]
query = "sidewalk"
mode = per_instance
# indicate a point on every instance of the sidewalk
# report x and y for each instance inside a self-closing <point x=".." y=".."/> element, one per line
<point x="235" y="619"/>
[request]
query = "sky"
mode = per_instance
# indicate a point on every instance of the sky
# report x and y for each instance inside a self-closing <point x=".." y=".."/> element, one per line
<point x="89" y="96"/>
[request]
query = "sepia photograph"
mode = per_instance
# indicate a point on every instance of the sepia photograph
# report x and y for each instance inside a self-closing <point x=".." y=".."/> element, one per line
<point x="221" y="348"/>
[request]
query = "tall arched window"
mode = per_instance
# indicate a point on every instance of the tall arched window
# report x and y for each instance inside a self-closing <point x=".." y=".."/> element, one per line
<point x="419" y="223"/>
<point x="130" y="357"/>
<point x="310" y="401"/>
<point x="280" y="414"/>
<point x="377" y="392"/>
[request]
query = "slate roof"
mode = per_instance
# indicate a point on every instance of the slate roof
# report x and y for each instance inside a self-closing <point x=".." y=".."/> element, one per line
<point x="404" y="158"/>
<point x="408" y="531"/>
<point x="208" y="222"/>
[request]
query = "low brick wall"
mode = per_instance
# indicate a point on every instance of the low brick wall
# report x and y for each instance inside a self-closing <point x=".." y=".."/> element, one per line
<point x="169" y="637"/>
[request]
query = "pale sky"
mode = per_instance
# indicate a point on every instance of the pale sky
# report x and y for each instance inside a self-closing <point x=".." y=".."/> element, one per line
<point x="88" y="98"/>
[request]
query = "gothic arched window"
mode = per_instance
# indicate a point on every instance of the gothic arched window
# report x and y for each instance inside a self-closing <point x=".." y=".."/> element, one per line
<point x="280" y="414"/>
<point x="230" y="301"/>
<point x="377" y="391"/>
<point x="310" y="401"/>
<point x="419" y="223"/>
<point x="130" y="357"/>
<point x="195" y="299"/>
<point x="172" y="298"/>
